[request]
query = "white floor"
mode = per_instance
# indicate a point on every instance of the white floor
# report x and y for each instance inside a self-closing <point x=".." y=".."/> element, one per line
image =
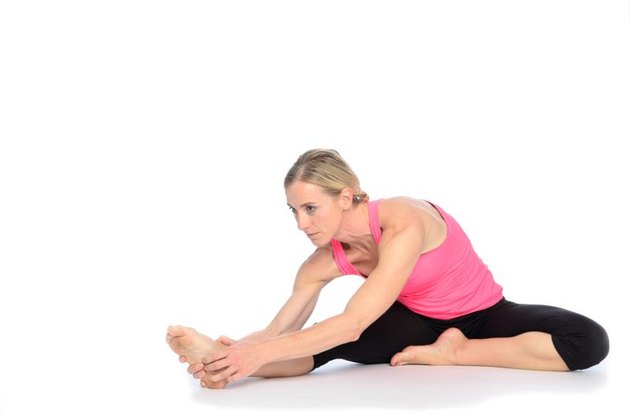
<point x="161" y="387"/>
<point x="443" y="390"/>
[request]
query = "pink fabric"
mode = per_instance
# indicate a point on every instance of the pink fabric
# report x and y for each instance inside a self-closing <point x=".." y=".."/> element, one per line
<point x="447" y="282"/>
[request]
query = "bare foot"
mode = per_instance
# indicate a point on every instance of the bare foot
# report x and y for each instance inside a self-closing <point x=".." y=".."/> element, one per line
<point x="193" y="346"/>
<point x="442" y="352"/>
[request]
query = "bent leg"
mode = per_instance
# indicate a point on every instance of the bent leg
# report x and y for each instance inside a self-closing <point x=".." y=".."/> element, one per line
<point x="545" y="330"/>
<point x="396" y="329"/>
<point x="522" y="336"/>
<point x="531" y="350"/>
<point x="514" y="335"/>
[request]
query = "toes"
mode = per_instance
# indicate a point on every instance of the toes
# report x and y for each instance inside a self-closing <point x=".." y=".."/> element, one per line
<point x="401" y="358"/>
<point x="176" y="330"/>
<point x="395" y="360"/>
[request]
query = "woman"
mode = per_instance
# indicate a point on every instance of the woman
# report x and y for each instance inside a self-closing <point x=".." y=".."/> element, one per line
<point x="427" y="297"/>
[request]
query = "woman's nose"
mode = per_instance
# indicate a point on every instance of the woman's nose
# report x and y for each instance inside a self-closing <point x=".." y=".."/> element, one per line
<point x="302" y="221"/>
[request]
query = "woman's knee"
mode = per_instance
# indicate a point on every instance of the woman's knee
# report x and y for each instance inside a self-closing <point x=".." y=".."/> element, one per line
<point x="582" y="344"/>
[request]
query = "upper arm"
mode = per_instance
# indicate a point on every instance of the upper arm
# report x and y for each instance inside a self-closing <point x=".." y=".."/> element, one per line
<point x="400" y="247"/>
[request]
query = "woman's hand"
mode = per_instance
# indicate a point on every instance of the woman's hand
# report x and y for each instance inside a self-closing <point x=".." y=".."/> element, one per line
<point x="197" y="369"/>
<point x="234" y="363"/>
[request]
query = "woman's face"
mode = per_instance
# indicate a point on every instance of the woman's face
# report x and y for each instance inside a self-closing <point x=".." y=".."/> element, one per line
<point x="317" y="214"/>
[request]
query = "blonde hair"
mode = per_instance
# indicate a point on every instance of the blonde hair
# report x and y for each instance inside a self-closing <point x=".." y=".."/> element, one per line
<point x="326" y="168"/>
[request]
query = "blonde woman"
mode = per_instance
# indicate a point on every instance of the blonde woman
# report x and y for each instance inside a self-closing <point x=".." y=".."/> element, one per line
<point x="427" y="297"/>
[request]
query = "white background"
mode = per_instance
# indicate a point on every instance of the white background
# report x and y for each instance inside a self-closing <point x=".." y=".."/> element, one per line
<point x="143" y="145"/>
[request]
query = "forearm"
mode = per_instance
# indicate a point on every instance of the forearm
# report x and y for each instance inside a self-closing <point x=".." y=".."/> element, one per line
<point x="276" y="328"/>
<point x="289" y="319"/>
<point x="257" y="336"/>
<point x="325" y="335"/>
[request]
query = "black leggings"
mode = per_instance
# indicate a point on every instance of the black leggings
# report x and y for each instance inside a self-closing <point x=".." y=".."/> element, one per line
<point x="580" y="341"/>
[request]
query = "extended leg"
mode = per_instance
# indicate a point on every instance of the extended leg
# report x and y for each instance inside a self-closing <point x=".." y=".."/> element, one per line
<point x="293" y="367"/>
<point x="193" y="346"/>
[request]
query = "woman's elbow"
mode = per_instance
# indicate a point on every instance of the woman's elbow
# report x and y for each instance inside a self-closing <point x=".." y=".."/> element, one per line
<point x="353" y="328"/>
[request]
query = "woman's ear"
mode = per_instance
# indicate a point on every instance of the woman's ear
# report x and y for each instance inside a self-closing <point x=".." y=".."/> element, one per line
<point x="346" y="198"/>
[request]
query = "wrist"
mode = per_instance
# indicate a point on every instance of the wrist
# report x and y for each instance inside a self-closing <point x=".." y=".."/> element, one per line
<point x="268" y="350"/>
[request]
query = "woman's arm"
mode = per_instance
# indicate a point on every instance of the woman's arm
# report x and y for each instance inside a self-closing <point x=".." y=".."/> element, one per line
<point x="401" y="244"/>
<point x="317" y="271"/>
<point x="398" y="254"/>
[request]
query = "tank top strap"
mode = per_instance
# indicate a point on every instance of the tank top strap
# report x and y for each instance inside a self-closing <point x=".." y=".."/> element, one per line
<point x="345" y="267"/>
<point x="375" y="227"/>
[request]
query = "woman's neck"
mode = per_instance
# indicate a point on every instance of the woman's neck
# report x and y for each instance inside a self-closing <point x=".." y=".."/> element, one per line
<point x="355" y="226"/>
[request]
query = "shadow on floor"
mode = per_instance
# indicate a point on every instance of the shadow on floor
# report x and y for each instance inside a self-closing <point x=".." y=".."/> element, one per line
<point x="341" y="384"/>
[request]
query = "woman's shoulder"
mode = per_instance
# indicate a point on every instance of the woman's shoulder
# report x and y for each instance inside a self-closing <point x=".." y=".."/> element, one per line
<point x="320" y="265"/>
<point x="403" y="211"/>
<point x="402" y="205"/>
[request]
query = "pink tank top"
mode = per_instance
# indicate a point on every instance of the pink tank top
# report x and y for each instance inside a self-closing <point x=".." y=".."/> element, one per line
<point x="447" y="282"/>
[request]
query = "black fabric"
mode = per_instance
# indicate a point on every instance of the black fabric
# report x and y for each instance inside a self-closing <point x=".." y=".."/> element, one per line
<point x="580" y="341"/>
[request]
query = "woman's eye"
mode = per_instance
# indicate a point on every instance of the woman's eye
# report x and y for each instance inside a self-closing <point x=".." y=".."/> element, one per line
<point x="311" y="209"/>
<point x="292" y="210"/>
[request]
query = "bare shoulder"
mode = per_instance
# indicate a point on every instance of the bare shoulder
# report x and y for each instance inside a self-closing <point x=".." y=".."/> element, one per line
<point x="407" y="214"/>
<point x="403" y="211"/>
<point x="319" y="268"/>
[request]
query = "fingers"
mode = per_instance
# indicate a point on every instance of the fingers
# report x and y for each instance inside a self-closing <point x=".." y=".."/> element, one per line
<point x="235" y="377"/>
<point x="214" y="357"/>
<point x="183" y="359"/>
<point x="226" y="341"/>
<point x="195" y="367"/>
<point x="228" y="374"/>
<point x="221" y="369"/>
<point x="216" y="365"/>
<point x="197" y="370"/>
